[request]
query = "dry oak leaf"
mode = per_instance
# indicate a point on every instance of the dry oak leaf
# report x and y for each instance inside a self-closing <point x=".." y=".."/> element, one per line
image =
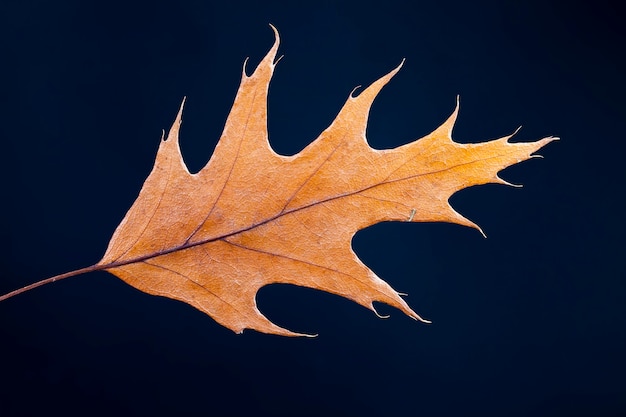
<point x="252" y="217"/>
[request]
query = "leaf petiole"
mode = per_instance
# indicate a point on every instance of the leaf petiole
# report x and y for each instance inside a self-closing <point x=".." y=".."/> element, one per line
<point x="54" y="279"/>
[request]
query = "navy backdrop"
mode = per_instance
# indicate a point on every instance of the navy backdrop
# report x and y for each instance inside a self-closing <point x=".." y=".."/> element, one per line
<point x="530" y="321"/>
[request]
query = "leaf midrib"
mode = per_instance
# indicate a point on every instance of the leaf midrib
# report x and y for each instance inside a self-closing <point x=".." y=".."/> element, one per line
<point x="189" y="245"/>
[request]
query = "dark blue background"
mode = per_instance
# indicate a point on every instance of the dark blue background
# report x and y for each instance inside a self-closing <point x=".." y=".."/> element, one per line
<point x="530" y="321"/>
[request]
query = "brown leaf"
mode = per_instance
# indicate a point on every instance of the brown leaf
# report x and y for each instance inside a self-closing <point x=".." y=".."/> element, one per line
<point x="252" y="217"/>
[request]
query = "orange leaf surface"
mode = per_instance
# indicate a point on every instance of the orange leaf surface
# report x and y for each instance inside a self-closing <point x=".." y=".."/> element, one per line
<point x="252" y="217"/>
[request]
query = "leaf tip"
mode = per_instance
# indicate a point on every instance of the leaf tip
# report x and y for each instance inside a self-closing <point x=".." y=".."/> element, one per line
<point x="394" y="71"/>
<point x="351" y="95"/>
<point x="399" y="66"/>
<point x="446" y="127"/>
<point x="295" y="334"/>
<point x="457" y="106"/>
<point x="454" y="216"/>
<point x="381" y="316"/>
<point x="243" y="69"/>
<point x="268" y="60"/>
<point x="505" y="182"/>
<point x="543" y="142"/>
<point x="272" y="52"/>
<point x="276" y="35"/>
<point x="173" y="133"/>
<point x="477" y="227"/>
<point x="179" y="116"/>
<point x="419" y="318"/>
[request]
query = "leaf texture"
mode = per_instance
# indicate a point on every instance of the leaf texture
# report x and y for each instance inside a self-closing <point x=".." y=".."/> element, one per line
<point x="252" y="217"/>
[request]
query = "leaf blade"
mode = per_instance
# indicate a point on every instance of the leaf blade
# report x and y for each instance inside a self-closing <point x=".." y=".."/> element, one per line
<point x="252" y="217"/>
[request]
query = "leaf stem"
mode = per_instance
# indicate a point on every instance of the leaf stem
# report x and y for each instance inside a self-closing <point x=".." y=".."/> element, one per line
<point x="55" y="278"/>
